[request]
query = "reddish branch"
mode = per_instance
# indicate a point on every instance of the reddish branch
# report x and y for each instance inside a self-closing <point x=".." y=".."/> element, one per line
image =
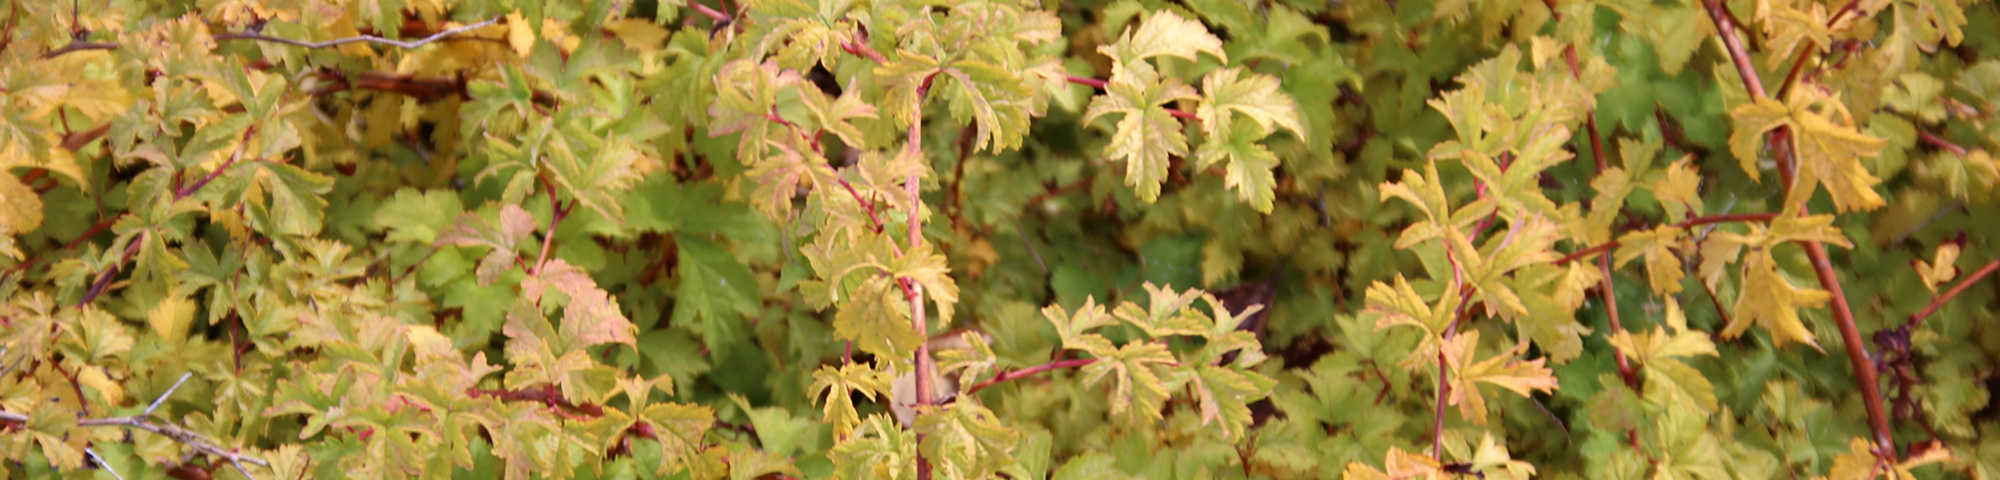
<point x="1857" y="351"/>
<point x="1940" y="142"/>
<point x="546" y="395"/>
<point x="1026" y="372"/>
<point x="1953" y="293"/>
<point x="913" y="291"/>
<point x="710" y="12"/>
<point x="1690" y="223"/>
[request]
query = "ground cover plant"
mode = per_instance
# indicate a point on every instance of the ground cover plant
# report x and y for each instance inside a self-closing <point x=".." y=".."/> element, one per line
<point x="1072" y="239"/>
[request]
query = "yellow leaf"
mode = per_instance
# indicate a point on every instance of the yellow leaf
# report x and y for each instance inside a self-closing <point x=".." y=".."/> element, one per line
<point x="1679" y="192"/>
<point x="170" y="319"/>
<point x="95" y="378"/>
<point x="1789" y="26"/>
<point x="1824" y="142"/>
<point x="1771" y="300"/>
<point x="1663" y="266"/>
<point x="20" y="207"/>
<point x="1506" y="370"/>
<point x="1940" y="269"/>
<point x="520" y="36"/>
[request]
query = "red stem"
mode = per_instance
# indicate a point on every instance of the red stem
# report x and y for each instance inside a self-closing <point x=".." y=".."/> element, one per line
<point x="1692" y="222"/>
<point x="1026" y="372"/>
<point x="1857" y="351"/>
<point x="709" y="12"/>
<point x="1940" y="142"/>
<point x="1953" y="293"/>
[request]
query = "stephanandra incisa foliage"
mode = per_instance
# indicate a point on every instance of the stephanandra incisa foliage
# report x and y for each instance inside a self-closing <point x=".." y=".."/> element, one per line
<point x="974" y="239"/>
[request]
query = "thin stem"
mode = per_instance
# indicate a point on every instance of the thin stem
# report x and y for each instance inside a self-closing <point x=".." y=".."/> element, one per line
<point x="1953" y="292"/>
<point x="233" y="157"/>
<point x="1857" y="352"/>
<point x="556" y="214"/>
<point x="914" y="291"/>
<point x="74" y="47"/>
<point x="1692" y="222"/>
<point x="176" y="433"/>
<point x="1610" y="296"/>
<point x="163" y="396"/>
<point x="1027" y="372"/>
<point x="1940" y="142"/>
<point x="861" y="48"/>
<point x="223" y="37"/>
<point x="709" y="12"/>
<point x="106" y="466"/>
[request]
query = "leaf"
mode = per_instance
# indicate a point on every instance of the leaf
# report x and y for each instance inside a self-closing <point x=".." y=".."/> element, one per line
<point x="1073" y="328"/>
<point x="20" y="212"/>
<point x="881" y="449"/>
<point x="1224" y="395"/>
<point x="1663" y="265"/>
<point x="1135" y="371"/>
<point x="413" y="216"/>
<point x="1788" y="25"/>
<point x="1940" y="269"/>
<point x="1679" y="192"/>
<point x="1163" y="34"/>
<point x="1770" y="300"/>
<point x="833" y="389"/>
<point x="1662" y="355"/>
<point x="965" y="440"/>
<point x="171" y="318"/>
<point x="1825" y="143"/>
<point x="716" y="291"/>
<point x="1505" y="370"/>
<point x="1146" y="134"/>
<point x="970" y="364"/>
<point x="505" y="237"/>
<point x="590" y="315"/>
<point x="1399" y="465"/>
<point x="1933" y="20"/>
<point x="1165" y="313"/>
<point x="876" y="318"/>
<point x="520" y="35"/>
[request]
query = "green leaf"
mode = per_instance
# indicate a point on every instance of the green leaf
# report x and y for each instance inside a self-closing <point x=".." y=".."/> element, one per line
<point x="716" y="291"/>
<point x="413" y="216"/>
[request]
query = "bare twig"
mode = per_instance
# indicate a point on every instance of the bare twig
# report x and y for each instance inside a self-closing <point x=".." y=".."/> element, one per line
<point x="221" y="37"/>
<point x="107" y="466"/>
<point x="163" y="396"/>
<point x="176" y="433"/>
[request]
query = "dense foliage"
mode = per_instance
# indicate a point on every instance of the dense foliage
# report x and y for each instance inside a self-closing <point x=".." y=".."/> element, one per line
<point x="1076" y="239"/>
